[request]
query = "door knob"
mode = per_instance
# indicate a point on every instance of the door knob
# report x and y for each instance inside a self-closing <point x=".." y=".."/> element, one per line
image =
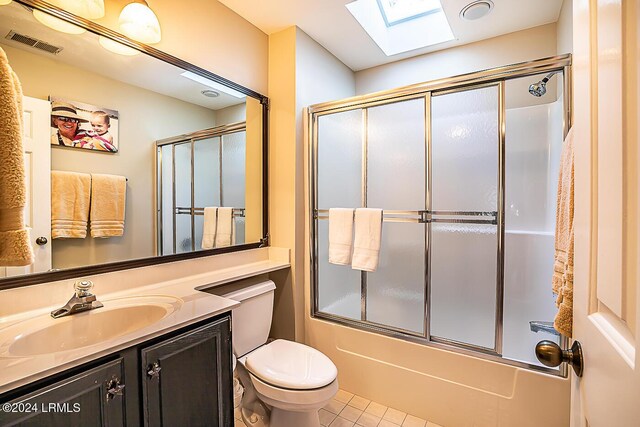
<point x="41" y="241"/>
<point x="550" y="354"/>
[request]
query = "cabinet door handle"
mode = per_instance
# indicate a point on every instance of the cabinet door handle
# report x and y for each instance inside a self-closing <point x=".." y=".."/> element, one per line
<point x="153" y="370"/>
<point x="114" y="388"/>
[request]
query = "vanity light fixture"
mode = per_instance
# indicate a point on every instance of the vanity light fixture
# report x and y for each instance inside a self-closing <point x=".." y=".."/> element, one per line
<point x="88" y="9"/>
<point x="138" y="21"/>
<point x="214" y="85"/>
<point x="115" y="47"/>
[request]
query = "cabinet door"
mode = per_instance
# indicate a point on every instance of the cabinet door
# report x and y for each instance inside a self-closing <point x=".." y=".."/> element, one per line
<point x="79" y="401"/>
<point x="187" y="380"/>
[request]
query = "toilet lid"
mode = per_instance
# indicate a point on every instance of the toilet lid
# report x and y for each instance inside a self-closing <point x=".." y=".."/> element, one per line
<point x="291" y="365"/>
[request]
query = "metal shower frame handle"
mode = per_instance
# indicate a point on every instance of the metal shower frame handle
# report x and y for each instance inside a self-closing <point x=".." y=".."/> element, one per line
<point x="492" y="77"/>
<point x="426" y="216"/>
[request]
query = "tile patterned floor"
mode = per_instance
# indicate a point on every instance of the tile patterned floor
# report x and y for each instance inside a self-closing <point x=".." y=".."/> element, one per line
<point x="349" y="410"/>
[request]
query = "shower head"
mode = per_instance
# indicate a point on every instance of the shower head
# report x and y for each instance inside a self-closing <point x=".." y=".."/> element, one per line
<point x="540" y="88"/>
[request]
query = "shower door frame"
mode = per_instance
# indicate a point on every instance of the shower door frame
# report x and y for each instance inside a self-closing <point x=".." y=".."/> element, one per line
<point x="191" y="139"/>
<point x="490" y="77"/>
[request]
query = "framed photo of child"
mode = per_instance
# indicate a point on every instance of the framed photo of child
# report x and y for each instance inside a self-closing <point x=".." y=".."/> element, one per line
<point x="76" y="124"/>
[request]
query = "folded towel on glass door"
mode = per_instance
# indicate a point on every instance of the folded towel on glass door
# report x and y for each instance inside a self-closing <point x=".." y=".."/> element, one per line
<point x="108" y="200"/>
<point x="563" y="264"/>
<point x="209" y="227"/>
<point x="15" y="245"/>
<point x="340" y="235"/>
<point x="226" y="228"/>
<point x="368" y="235"/>
<point x="70" y="200"/>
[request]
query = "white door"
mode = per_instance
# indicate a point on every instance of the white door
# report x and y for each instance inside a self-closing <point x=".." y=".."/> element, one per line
<point x="607" y="223"/>
<point x="37" y="159"/>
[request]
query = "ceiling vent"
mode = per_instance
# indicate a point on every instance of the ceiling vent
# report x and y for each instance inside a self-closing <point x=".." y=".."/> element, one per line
<point x="35" y="43"/>
<point x="476" y="10"/>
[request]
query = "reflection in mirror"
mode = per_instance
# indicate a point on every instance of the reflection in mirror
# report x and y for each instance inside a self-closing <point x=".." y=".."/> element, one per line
<point x="189" y="148"/>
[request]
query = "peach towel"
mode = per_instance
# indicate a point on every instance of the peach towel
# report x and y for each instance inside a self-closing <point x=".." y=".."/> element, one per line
<point x="108" y="200"/>
<point x="563" y="266"/>
<point x="15" y="245"/>
<point x="70" y="199"/>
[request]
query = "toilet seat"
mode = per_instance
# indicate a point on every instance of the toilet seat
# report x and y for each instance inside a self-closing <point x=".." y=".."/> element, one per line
<point x="294" y="400"/>
<point x="291" y="365"/>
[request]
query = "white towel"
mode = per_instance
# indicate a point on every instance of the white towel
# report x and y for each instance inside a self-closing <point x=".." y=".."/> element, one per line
<point x="224" y="231"/>
<point x="368" y="236"/>
<point x="340" y="235"/>
<point x="209" y="228"/>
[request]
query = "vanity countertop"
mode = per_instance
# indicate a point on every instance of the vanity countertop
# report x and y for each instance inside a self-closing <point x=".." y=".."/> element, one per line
<point x="182" y="294"/>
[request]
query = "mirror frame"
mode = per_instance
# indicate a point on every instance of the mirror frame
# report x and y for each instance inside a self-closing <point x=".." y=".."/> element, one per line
<point x="72" y="273"/>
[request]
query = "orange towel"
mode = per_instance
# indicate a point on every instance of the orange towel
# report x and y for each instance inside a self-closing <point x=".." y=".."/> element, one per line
<point x="15" y="242"/>
<point x="108" y="202"/>
<point x="563" y="266"/>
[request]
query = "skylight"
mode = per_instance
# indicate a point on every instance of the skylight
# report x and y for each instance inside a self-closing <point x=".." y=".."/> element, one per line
<point x="402" y="25"/>
<point x="399" y="11"/>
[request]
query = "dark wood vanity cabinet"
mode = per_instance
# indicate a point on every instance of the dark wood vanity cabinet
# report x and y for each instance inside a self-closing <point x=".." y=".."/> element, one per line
<point x="77" y="401"/>
<point x="185" y="379"/>
<point x="181" y="379"/>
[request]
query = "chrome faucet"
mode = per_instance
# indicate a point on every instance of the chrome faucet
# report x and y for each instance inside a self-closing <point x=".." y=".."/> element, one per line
<point x="82" y="300"/>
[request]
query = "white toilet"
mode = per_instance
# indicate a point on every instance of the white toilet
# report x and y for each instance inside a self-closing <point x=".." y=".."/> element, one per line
<point x="292" y="379"/>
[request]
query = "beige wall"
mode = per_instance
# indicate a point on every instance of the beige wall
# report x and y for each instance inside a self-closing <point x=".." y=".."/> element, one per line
<point x="534" y="43"/>
<point x="565" y="28"/>
<point x="301" y="73"/>
<point x="283" y="173"/>
<point x="144" y="118"/>
<point x="209" y="35"/>
<point x="232" y="114"/>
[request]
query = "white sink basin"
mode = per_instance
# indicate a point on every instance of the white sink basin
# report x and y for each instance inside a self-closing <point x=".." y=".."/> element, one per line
<point x="45" y="335"/>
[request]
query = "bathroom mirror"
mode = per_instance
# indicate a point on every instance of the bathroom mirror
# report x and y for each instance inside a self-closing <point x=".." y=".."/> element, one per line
<point x="184" y="139"/>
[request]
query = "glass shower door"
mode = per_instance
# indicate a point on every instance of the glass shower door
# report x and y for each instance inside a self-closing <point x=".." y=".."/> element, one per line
<point x="396" y="181"/>
<point x="465" y="288"/>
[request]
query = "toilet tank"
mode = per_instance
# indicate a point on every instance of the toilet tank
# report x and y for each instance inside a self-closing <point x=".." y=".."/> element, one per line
<point x="252" y="318"/>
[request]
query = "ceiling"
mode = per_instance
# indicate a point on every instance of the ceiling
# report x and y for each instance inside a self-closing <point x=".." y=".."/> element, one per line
<point x="83" y="51"/>
<point x="330" y="24"/>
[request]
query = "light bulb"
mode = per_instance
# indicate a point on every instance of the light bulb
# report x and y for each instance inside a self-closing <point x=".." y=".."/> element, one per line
<point x="139" y="22"/>
<point x="116" y="47"/>
<point x="5" y="2"/>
